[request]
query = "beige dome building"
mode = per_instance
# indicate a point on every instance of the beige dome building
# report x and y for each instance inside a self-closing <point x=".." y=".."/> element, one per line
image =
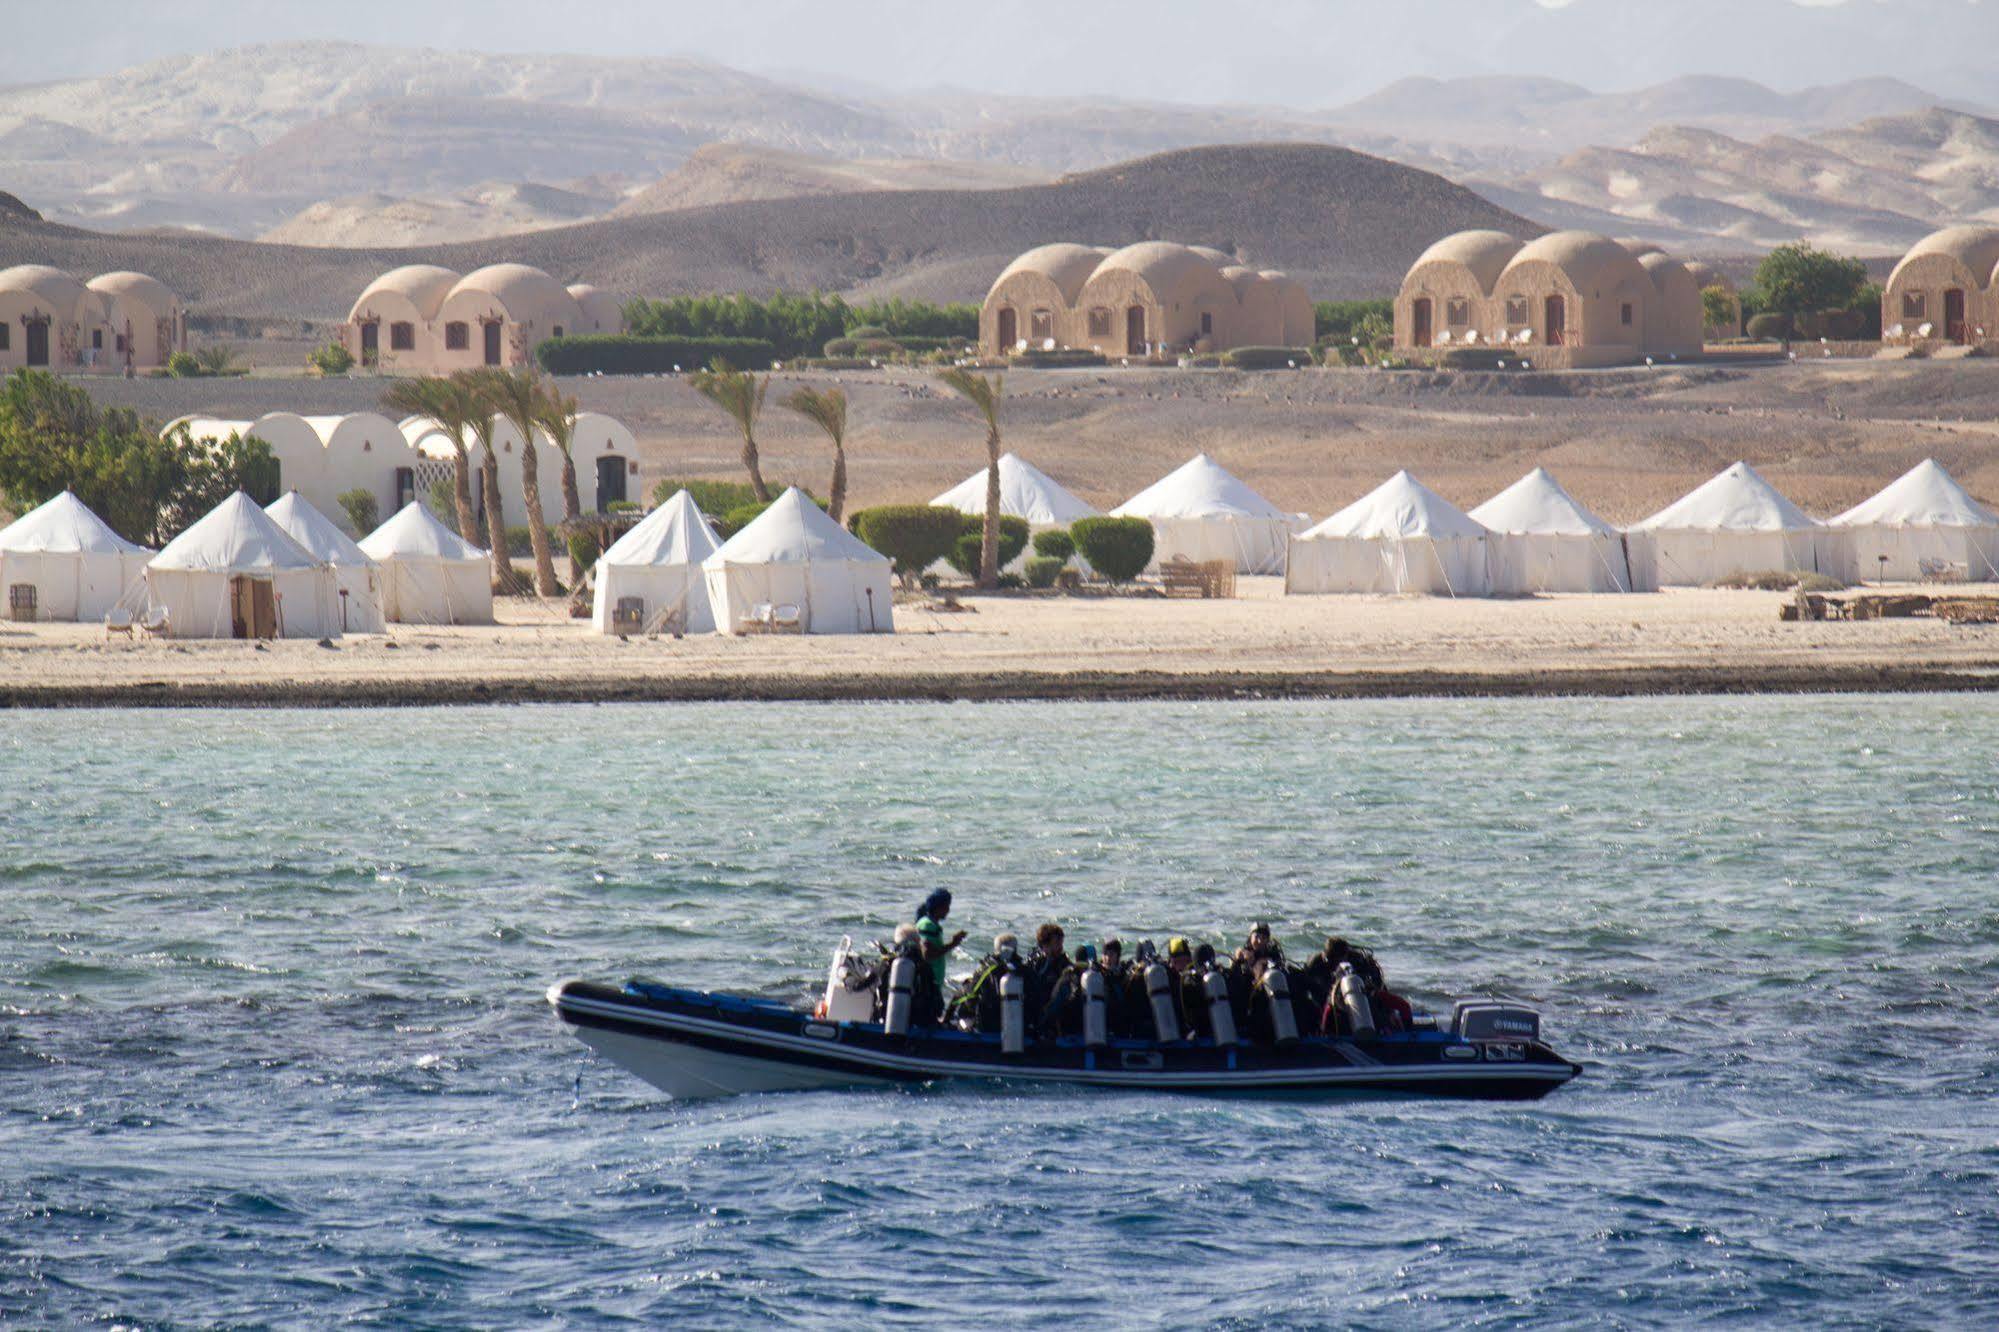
<point x="1945" y="290"/>
<point x="429" y="320"/>
<point x="1568" y="299"/>
<point x="1155" y="298"/>
<point x="117" y="321"/>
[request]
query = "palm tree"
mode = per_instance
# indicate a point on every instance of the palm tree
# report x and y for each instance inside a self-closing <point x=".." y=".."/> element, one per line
<point x="984" y="394"/>
<point x="741" y="395"/>
<point x="514" y="396"/>
<point x="482" y="422"/>
<point x="556" y="415"/>
<point x="827" y="409"/>
<point x="446" y="402"/>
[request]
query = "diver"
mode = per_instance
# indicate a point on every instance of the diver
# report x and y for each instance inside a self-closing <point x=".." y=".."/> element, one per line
<point x="1160" y="1017"/>
<point x="977" y="1006"/>
<point x="1392" y="1012"/>
<point x="1044" y="972"/>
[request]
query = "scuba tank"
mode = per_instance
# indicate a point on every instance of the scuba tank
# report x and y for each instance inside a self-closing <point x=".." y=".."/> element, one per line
<point x="1013" y="1012"/>
<point x="1277" y="993"/>
<point x="1159" y="992"/>
<point x="1221" y="1020"/>
<point x="1096" y="1014"/>
<point x="1350" y="1002"/>
<point x="901" y="996"/>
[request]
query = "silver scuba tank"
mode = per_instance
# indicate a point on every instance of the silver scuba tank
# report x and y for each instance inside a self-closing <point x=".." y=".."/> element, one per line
<point x="1221" y="1018"/>
<point x="901" y="996"/>
<point x="1350" y="996"/>
<point x="1096" y="1014"/>
<point x="1013" y="1013"/>
<point x="1159" y="992"/>
<point x="1277" y="991"/>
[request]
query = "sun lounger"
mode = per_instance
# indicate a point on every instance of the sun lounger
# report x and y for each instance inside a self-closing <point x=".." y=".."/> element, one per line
<point x="118" y="620"/>
<point x="155" y="622"/>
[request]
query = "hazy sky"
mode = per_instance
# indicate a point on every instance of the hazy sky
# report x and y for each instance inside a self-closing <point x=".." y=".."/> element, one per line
<point x="1298" y="52"/>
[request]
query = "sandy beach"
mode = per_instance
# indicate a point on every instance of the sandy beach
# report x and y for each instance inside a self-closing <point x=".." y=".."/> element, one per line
<point x="1033" y="646"/>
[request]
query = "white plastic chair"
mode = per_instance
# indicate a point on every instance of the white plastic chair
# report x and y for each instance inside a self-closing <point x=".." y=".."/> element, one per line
<point x="118" y="620"/>
<point x="785" y="620"/>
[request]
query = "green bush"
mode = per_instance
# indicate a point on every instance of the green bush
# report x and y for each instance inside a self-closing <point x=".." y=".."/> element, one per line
<point x="1338" y="321"/>
<point x="839" y="347"/>
<point x="1060" y="358"/>
<point x="584" y="548"/>
<point x="330" y="359"/>
<point x="1343" y="354"/>
<point x="1042" y="569"/>
<point x="1012" y="541"/>
<point x="1476" y="358"/>
<point x="830" y="363"/>
<point x="181" y="365"/>
<point x="1267" y="358"/>
<point x="736" y="519"/>
<point x="869" y="333"/>
<point x="520" y="542"/>
<point x="1769" y="327"/>
<point x="624" y="354"/>
<point x="1054" y="544"/>
<point x="914" y="536"/>
<point x="713" y="498"/>
<point x="1117" y="548"/>
<point x="877" y="348"/>
<point x="364" y="513"/>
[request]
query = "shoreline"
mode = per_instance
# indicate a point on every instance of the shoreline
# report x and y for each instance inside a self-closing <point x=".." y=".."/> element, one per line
<point x="1029" y="686"/>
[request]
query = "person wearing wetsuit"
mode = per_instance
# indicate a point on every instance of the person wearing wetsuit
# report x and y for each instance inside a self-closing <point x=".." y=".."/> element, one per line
<point x="1392" y="1012"/>
<point x="1044" y="972"/>
<point x="978" y="1004"/>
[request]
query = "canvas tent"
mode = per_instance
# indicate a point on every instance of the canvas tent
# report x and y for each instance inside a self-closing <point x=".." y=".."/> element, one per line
<point x="793" y="555"/>
<point x="1201" y="512"/>
<point x="356" y="580"/>
<point x="1543" y="540"/>
<point x="429" y="574"/>
<point x="60" y="561"/>
<point x="1736" y="522"/>
<point x="1026" y="492"/>
<point x="1400" y="537"/>
<point x="1924" y="517"/>
<point x="654" y="572"/>
<point x="237" y="574"/>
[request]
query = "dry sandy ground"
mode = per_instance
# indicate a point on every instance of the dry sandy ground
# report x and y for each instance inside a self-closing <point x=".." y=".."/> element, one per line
<point x="1018" y="646"/>
<point x="1627" y="442"/>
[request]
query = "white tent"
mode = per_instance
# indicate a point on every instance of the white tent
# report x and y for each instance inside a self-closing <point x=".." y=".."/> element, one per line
<point x="1026" y="492"/>
<point x="794" y="555"/>
<point x="59" y="561"/>
<point x="1201" y="512"/>
<point x="1543" y="540"/>
<point x="658" y="565"/>
<point x="237" y="574"/>
<point x="356" y="580"/>
<point x="429" y="574"/>
<point x="1924" y="516"/>
<point x="1399" y="537"/>
<point x="1733" y="523"/>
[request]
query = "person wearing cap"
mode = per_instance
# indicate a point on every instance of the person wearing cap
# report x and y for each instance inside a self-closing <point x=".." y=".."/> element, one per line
<point x="930" y="929"/>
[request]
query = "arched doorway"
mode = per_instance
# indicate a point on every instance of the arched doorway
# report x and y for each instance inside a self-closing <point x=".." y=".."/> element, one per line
<point x="1556" y="312"/>
<point x="1009" y="328"/>
<point x="1420" y="322"/>
<point x="610" y="481"/>
<point x="1134" y="331"/>
<point x="371" y="342"/>
<point x="38" y="342"/>
<point x="492" y="328"/>
<point x="1953" y="315"/>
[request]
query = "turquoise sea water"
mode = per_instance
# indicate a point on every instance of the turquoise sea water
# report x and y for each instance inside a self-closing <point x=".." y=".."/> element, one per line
<point x="273" y="1048"/>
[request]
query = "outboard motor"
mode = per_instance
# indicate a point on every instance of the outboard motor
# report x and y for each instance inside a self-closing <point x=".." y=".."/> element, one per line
<point x="1350" y="1002"/>
<point x="1495" y="1020"/>
<point x="1277" y="993"/>
<point x="901" y="996"/>
<point x="1096" y="1010"/>
<point x="1221" y="1018"/>
<point x="1013" y="1013"/>
<point x="1159" y="992"/>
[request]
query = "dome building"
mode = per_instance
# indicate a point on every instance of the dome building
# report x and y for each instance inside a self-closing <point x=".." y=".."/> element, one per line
<point x="425" y="319"/>
<point x="1945" y="290"/>
<point x="51" y="320"/>
<point x="1152" y="299"/>
<point x="1565" y="300"/>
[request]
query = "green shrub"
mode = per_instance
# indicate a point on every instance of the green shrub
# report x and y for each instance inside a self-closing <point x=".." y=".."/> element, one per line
<point x="1060" y="358"/>
<point x="1267" y="358"/>
<point x="330" y="359"/>
<point x="1042" y="569"/>
<point x="584" y="548"/>
<point x="869" y="333"/>
<point x="520" y="542"/>
<point x="443" y="501"/>
<point x="877" y="348"/>
<point x="830" y="363"/>
<point x="1343" y="354"/>
<point x="1009" y="582"/>
<point x="713" y="498"/>
<point x="736" y="519"/>
<point x="1117" y="548"/>
<point x="1339" y="321"/>
<point x="839" y="347"/>
<point x="183" y="366"/>
<point x="1012" y="541"/>
<point x="1054" y="544"/>
<point x="623" y="354"/>
<point x="364" y="513"/>
<point x="622" y="506"/>
<point x="1476" y="358"/>
<point x="1769" y="328"/>
<point x="914" y="536"/>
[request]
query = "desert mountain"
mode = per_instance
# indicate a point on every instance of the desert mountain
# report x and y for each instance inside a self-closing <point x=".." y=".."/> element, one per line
<point x="1346" y="223"/>
<point x="497" y="209"/>
<point x="736" y="172"/>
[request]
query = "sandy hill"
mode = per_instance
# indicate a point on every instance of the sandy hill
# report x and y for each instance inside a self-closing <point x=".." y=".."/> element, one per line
<point x="722" y="173"/>
<point x="1346" y="223"/>
<point x="497" y="209"/>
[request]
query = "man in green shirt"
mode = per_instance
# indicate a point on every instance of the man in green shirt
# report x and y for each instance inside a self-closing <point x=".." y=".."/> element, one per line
<point x="930" y="930"/>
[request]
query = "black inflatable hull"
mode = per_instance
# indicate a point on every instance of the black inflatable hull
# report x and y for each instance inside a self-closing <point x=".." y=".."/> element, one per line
<point x="690" y="1044"/>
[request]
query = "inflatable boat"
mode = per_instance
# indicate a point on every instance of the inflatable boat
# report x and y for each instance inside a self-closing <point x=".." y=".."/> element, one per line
<point x="691" y="1044"/>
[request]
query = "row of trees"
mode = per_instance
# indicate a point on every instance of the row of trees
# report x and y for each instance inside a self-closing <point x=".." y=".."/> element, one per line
<point x="796" y="325"/>
<point x="146" y="484"/>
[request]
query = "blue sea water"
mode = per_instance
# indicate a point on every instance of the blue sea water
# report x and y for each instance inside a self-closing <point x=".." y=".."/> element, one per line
<point x="273" y="1047"/>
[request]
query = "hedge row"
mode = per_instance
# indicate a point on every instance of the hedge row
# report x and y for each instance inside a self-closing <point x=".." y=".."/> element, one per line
<point x="625" y="354"/>
<point x="1065" y="356"/>
<point x="1267" y="358"/>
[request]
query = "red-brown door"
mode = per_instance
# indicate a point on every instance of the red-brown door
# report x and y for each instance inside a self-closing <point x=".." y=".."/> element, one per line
<point x="1419" y="320"/>
<point x="1009" y="328"/>
<point x="1134" y="331"/>
<point x="371" y="342"/>
<point x="38" y="342"/>
<point x="493" y="343"/>
<point x="1557" y="314"/>
<point x="1953" y="315"/>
